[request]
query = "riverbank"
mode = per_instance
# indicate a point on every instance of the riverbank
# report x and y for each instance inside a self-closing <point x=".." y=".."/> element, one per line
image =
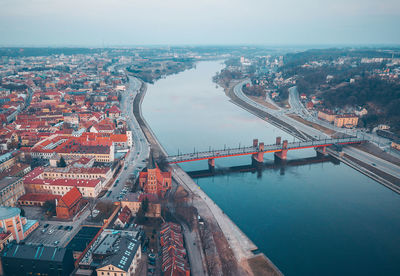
<point x="234" y="249"/>
<point x="373" y="172"/>
<point x="273" y="120"/>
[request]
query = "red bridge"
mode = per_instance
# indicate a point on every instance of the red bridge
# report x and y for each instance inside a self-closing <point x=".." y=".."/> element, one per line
<point x="258" y="149"/>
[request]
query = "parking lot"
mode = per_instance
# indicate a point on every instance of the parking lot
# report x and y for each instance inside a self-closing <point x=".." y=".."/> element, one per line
<point x="55" y="234"/>
<point x="50" y="234"/>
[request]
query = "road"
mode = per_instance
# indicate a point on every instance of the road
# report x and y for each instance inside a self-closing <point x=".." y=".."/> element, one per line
<point x="370" y="159"/>
<point x="136" y="158"/>
<point x="365" y="157"/>
<point x="280" y="114"/>
<point x="298" y="108"/>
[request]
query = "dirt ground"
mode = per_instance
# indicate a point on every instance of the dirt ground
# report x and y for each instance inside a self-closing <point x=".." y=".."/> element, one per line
<point x="261" y="266"/>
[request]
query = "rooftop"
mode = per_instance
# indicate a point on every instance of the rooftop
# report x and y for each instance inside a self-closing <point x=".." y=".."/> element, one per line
<point x="8" y="212"/>
<point x="32" y="252"/>
<point x="6" y="181"/>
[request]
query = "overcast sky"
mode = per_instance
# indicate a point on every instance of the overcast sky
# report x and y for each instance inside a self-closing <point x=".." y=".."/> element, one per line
<point x="143" y="22"/>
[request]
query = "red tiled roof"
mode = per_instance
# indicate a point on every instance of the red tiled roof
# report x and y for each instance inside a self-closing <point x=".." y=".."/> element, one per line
<point x="71" y="197"/>
<point x="38" y="197"/>
<point x="125" y="215"/>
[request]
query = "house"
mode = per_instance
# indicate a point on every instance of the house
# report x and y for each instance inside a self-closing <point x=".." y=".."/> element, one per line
<point x="173" y="254"/>
<point x="134" y="201"/>
<point x="113" y="112"/>
<point x="70" y="204"/>
<point x="124" y="217"/>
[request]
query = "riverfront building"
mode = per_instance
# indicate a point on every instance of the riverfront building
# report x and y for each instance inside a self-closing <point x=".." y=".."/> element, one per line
<point x="154" y="181"/>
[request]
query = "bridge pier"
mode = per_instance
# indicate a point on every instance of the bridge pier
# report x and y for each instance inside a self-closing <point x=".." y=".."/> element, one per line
<point x="211" y="164"/>
<point x="282" y="154"/>
<point x="321" y="151"/>
<point x="255" y="142"/>
<point x="259" y="156"/>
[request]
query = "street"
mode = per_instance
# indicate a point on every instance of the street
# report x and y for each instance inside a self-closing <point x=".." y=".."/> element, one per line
<point x="136" y="158"/>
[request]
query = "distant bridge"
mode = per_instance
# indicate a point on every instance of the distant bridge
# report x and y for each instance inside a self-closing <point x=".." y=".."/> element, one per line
<point x="259" y="149"/>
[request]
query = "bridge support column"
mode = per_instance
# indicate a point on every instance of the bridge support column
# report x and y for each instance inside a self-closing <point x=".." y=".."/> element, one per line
<point x="259" y="156"/>
<point x="211" y="163"/>
<point x="321" y="151"/>
<point x="278" y="140"/>
<point x="255" y="142"/>
<point x="282" y="154"/>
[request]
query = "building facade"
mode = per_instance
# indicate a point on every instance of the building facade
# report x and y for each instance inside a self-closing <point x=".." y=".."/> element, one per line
<point x="11" y="188"/>
<point x="154" y="181"/>
<point x="347" y="121"/>
<point x="70" y="204"/>
<point x="327" y="115"/>
<point x="23" y="259"/>
<point x="11" y="221"/>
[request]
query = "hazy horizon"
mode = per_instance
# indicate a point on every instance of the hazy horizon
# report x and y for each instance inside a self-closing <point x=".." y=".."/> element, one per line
<point x="126" y="23"/>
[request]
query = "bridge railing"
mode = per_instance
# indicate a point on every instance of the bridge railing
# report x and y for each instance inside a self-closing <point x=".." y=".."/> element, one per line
<point x="241" y="149"/>
<point x="229" y="151"/>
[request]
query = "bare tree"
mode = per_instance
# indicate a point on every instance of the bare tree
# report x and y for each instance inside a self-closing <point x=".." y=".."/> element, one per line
<point x="92" y="201"/>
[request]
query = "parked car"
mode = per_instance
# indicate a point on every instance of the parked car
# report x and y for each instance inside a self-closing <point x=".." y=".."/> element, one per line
<point x="60" y="227"/>
<point x="46" y="225"/>
<point x="56" y="242"/>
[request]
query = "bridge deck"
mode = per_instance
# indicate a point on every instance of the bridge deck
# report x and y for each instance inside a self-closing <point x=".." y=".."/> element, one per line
<point x="195" y="156"/>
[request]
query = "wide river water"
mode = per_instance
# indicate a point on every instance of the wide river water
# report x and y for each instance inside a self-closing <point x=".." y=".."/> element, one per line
<point x="315" y="219"/>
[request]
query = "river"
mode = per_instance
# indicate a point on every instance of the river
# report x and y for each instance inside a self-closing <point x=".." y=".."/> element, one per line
<point x="315" y="219"/>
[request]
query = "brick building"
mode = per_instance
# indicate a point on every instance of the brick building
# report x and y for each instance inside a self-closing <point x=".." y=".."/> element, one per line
<point x="70" y="204"/>
<point x="154" y="181"/>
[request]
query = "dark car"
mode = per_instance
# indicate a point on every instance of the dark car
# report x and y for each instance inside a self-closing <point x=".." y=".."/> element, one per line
<point x="60" y="227"/>
<point x="46" y="225"/>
